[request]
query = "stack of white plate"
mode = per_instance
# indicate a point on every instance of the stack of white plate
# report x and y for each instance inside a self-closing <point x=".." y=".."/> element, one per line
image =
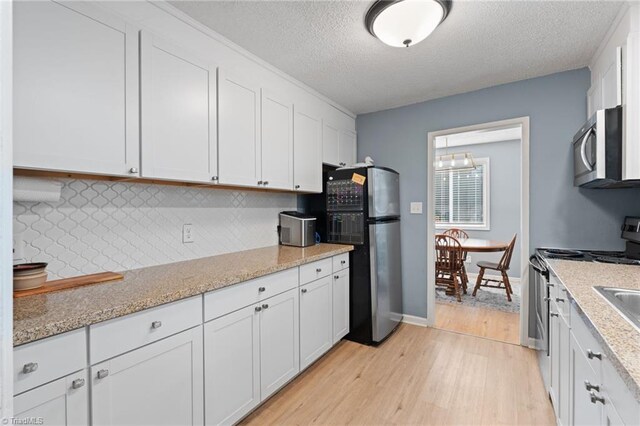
<point x="27" y="276"/>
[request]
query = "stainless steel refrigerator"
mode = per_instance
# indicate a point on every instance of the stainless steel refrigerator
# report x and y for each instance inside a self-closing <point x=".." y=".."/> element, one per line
<point x="363" y="209"/>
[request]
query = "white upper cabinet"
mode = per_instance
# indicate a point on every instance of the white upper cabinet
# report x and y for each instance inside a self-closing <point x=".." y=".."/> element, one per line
<point x="307" y="152"/>
<point x="277" y="142"/>
<point x="239" y="136"/>
<point x="75" y="89"/>
<point x="330" y="144"/>
<point x="178" y="113"/>
<point x="347" y="148"/>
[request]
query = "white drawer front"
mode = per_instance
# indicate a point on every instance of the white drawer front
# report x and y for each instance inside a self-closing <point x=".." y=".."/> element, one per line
<point x="340" y="262"/>
<point x="313" y="271"/>
<point x="119" y="335"/>
<point x="221" y="302"/>
<point x="45" y="360"/>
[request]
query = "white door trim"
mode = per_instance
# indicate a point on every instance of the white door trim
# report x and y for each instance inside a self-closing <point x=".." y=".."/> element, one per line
<point x="523" y="122"/>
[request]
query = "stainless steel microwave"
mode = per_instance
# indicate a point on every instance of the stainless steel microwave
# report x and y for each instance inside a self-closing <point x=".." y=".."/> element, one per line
<point x="597" y="150"/>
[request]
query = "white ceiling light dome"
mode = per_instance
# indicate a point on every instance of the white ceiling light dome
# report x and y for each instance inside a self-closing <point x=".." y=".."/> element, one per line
<point x="403" y="23"/>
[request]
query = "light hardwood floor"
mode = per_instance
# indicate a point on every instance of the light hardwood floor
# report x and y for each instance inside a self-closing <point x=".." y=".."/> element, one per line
<point x="418" y="376"/>
<point x="487" y="323"/>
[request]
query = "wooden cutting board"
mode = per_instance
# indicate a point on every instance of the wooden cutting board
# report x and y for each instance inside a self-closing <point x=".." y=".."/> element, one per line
<point x="69" y="283"/>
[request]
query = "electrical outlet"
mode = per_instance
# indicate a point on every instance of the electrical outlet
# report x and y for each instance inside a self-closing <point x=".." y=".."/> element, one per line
<point x="187" y="233"/>
<point x="18" y="248"/>
<point x="416" y="207"/>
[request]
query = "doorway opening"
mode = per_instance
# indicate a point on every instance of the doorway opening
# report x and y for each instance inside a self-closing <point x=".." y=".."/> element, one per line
<point x="478" y="230"/>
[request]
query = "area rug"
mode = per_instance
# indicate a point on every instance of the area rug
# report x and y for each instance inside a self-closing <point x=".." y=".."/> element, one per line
<point x="488" y="298"/>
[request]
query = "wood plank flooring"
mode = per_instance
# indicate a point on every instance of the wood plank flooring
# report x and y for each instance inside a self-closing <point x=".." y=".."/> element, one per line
<point x="418" y="376"/>
<point x="487" y="323"/>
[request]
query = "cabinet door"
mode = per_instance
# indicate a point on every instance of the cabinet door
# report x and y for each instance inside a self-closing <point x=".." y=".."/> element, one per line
<point x="178" y="113"/>
<point x="62" y="402"/>
<point x="307" y="151"/>
<point x="563" y="396"/>
<point x="239" y="138"/>
<point x="340" y="305"/>
<point x="277" y="142"/>
<point x="554" y="355"/>
<point x="158" y="384"/>
<point x="316" y="334"/>
<point x="232" y="366"/>
<point x="582" y="410"/>
<point x="330" y="149"/>
<point x="611" y="83"/>
<point x="75" y="89"/>
<point x="279" y="341"/>
<point x="347" y="148"/>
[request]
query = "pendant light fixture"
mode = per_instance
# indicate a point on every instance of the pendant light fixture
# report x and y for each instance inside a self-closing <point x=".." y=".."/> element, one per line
<point x="403" y="23"/>
<point x="455" y="160"/>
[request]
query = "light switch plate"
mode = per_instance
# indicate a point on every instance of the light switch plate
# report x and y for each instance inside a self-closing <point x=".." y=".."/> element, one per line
<point x="187" y="233"/>
<point x="416" y="207"/>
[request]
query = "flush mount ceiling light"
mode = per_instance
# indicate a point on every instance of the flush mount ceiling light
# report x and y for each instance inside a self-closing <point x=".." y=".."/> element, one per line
<point x="403" y="23"/>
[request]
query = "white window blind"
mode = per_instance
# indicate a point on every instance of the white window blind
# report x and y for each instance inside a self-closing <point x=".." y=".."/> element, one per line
<point x="461" y="197"/>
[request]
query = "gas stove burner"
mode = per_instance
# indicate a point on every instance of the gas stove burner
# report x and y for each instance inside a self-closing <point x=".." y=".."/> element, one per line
<point x="616" y="260"/>
<point x="604" y="253"/>
<point x="562" y="253"/>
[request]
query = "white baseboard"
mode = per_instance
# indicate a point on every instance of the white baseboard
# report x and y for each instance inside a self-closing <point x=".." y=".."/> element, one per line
<point x="474" y="276"/>
<point x="414" y="320"/>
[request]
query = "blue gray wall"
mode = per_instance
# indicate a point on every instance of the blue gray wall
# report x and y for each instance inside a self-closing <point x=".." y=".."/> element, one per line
<point x="560" y="215"/>
<point x="504" y="199"/>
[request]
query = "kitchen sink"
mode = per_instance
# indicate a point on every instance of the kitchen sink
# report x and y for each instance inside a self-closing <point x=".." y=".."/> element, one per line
<point x="626" y="301"/>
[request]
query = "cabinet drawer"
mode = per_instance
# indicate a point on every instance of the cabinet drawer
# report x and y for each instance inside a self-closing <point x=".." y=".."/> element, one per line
<point x="121" y="335"/>
<point x="586" y="340"/>
<point x="221" y="302"/>
<point x="45" y="360"/>
<point x="313" y="271"/>
<point x="340" y="262"/>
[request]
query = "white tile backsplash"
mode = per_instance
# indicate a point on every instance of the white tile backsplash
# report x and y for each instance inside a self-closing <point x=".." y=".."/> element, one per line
<point x="112" y="226"/>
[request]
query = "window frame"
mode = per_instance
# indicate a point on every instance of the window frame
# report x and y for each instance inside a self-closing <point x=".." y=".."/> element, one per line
<point x="486" y="204"/>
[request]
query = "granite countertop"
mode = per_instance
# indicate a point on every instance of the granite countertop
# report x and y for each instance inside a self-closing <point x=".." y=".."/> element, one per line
<point x="621" y="339"/>
<point x="40" y="316"/>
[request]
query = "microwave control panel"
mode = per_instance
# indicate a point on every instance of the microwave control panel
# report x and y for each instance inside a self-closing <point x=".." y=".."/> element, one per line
<point x="344" y="195"/>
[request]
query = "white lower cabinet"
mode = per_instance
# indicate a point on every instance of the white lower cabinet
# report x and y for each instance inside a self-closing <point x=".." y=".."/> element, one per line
<point x="340" y="305"/>
<point x="157" y="384"/>
<point x="249" y="354"/>
<point x="62" y="402"/>
<point x="582" y="410"/>
<point x="316" y="323"/>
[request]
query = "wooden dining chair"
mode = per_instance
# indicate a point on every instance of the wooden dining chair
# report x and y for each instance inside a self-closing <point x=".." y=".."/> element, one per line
<point x="460" y="234"/>
<point x="502" y="267"/>
<point x="448" y="264"/>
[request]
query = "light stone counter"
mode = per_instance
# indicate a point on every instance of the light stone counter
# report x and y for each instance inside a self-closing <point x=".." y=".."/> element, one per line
<point x="40" y="316"/>
<point x="620" y="339"/>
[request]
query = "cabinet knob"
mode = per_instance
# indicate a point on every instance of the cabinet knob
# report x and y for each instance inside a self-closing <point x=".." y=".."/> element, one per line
<point x="553" y="314"/>
<point x="588" y="386"/>
<point x="595" y="398"/>
<point x="77" y="383"/>
<point x="342" y="262"/>
<point x="261" y="289"/>
<point x="156" y="324"/>
<point x="592" y="355"/>
<point x="102" y="374"/>
<point x="265" y="306"/>
<point x="214" y="178"/>
<point x="546" y="299"/>
<point x="550" y="285"/>
<point x="297" y="186"/>
<point x="258" y="308"/>
<point x="559" y="299"/>
<point x="260" y="182"/>
<point x="318" y="270"/>
<point x="30" y="367"/>
<point x="265" y="183"/>
<point x="336" y="277"/>
<point x="304" y="290"/>
<point x="133" y="170"/>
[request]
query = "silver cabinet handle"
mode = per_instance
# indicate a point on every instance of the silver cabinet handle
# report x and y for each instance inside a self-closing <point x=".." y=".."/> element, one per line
<point x="258" y="308"/>
<point x="546" y="299"/>
<point x="265" y="306"/>
<point x="595" y="398"/>
<point x="336" y="277"/>
<point x="304" y="290"/>
<point x="297" y="186"/>
<point x="133" y="170"/>
<point x="260" y="182"/>
<point x="559" y="299"/>
<point x="261" y="289"/>
<point x="265" y="183"/>
<point x="553" y="314"/>
<point x="77" y="383"/>
<point x="156" y="324"/>
<point x="342" y="262"/>
<point x="588" y="386"/>
<point x="318" y="269"/>
<point x="592" y="355"/>
<point x="30" y="367"/>
<point x="214" y="178"/>
<point x="102" y="374"/>
<point x="550" y="285"/>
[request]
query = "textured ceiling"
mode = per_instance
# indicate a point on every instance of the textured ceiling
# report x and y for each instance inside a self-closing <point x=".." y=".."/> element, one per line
<point x="481" y="44"/>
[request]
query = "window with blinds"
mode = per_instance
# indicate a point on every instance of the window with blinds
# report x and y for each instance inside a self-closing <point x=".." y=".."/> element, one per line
<point x="461" y="197"/>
